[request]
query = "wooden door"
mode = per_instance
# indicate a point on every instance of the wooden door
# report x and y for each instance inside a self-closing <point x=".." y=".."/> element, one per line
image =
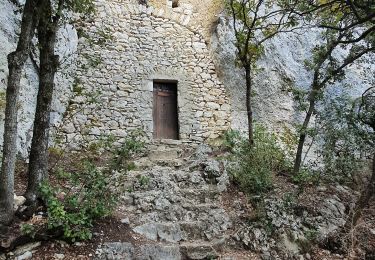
<point x="165" y="111"/>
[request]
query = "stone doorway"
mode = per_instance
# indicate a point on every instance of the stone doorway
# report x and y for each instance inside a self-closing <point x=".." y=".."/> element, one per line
<point x="165" y="114"/>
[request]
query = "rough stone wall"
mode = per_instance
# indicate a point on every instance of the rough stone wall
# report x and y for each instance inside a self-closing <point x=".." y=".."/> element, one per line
<point x="128" y="46"/>
<point x="204" y="13"/>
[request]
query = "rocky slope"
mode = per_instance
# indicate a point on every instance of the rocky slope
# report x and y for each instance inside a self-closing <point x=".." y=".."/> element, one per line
<point x="178" y="203"/>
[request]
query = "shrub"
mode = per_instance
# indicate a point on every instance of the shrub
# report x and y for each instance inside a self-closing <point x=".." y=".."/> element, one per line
<point x="344" y="145"/>
<point x="254" y="166"/>
<point x="89" y="191"/>
<point x="306" y="177"/>
<point x="232" y="139"/>
<point x="123" y="154"/>
<point x="80" y="198"/>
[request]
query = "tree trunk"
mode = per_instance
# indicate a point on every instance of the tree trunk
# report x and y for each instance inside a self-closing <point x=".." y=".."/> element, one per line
<point x="38" y="163"/>
<point x="16" y="61"/>
<point x="248" y="104"/>
<point x="302" y="136"/>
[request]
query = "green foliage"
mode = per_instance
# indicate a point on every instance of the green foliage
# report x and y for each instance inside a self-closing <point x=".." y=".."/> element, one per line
<point x="345" y="142"/>
<point x="93" y="61"/>
<point x="300" y="96"/>
<point x="84" y="197"/>
<point x="143" y="180"/>
<point x="262" y="219"/>
<point x="80" y="6"/>
<point x="311" y="236"/>
<point x="254" y="23"/>
<point x="88" y="192"/>
<point x="232" y="139"/>
<point x="305" y="177"/>
<point x="2" y="99"/>
<point x="289" y="140"/>
<point x="289" y="200"/>
<point x="254" y="166"/>
<point x="103" y="36"/>
<point x="77" y="87"/>
<point x="28" y="229"/>
<point x="126" y="151"/>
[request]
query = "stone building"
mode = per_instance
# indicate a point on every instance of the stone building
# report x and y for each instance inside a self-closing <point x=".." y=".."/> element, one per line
<point x="145" y="69"/>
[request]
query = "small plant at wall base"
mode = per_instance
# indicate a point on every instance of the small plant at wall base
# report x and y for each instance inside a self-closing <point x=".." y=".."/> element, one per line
<point x="253" y="167"/>
<point x="232" y="139"/>
<point x="131" y="146"/>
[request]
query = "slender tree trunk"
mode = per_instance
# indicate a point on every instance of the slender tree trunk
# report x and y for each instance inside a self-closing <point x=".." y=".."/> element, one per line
<point x="16" y="61"/>
<point x="302" y="136"/>
<point x="38" y="163"/>
<point x="249" y="105"/>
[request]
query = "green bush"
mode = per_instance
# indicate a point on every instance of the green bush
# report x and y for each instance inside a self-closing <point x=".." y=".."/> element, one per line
<point x="81" y="198"/>
<point x="306" y="177"/>
<point x="254" y="166"/>
<point x="344" y="144"/>
<point x="89" y="191"/>
<point x="232" y="139"/>
<point x="123" y="154"/>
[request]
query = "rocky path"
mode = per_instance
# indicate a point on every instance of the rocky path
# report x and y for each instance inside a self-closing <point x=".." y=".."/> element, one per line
<point x="173" y="203"/>
<point x="178" y="204"/>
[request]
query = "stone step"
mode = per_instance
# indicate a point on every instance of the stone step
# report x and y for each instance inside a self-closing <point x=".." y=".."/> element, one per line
<point x="182" y="205"/>
<point x="165" y="153"/>
<point x="202" y="230"/>
<point x="177" y="215"/>
<point x="159" y="231"/>
<point x="201" y="195"/>
<point x="202" y="249"/>
<point x="176" y="163"/>
<point x="175" y="232"/>
<point x="162" y="251"/>
<point x="201" y="207"/>
<point x="205" y="195"/>
<point x="165" y="178"/>
<point x="129" y="251"/>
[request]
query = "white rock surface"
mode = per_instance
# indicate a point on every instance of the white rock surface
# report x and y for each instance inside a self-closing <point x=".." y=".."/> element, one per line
<point x="66" y="48"/>
<point x="282" y="65"/>
<point x="18" y="201"/>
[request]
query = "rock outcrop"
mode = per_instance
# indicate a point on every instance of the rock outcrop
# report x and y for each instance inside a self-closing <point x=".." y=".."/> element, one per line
<point x="66" y="48"/>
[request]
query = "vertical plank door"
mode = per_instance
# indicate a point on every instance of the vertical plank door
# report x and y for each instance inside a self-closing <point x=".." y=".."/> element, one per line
<point x="165" y="111"/>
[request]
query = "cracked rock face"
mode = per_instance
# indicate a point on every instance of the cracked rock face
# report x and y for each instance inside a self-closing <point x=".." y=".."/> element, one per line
<point x="287" y="226"/>
<point x="65" y="48"/>
<point x="282" y="66"/>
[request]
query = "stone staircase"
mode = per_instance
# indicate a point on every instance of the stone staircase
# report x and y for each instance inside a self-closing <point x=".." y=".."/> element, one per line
<point x="173" y="203"/>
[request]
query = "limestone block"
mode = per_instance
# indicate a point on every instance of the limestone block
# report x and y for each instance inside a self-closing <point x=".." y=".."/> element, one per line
<point x="213" y="105"/>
